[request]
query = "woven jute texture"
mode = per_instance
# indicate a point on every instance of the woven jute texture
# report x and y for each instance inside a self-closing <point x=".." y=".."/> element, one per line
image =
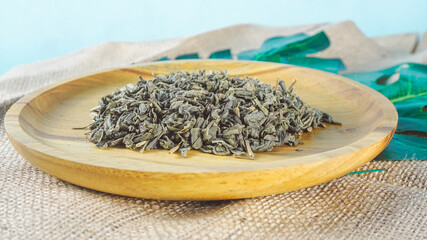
<point x="390" y="204"/>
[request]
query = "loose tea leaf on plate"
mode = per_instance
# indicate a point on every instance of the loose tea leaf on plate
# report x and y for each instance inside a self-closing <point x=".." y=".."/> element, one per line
<point x="210" y="112"/>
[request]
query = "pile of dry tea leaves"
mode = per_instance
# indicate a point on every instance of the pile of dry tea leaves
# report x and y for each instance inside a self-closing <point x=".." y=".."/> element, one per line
<point x="209" y="112"/>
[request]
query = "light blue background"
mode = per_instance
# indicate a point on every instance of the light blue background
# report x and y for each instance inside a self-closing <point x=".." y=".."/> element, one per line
<point x="38" y="30"/>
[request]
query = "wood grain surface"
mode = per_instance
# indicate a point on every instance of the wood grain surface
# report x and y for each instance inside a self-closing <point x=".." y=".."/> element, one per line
<point x="40" y="128"/>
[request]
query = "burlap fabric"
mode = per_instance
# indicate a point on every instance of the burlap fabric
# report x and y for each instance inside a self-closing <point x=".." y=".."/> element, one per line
<point x="382" y="205"/>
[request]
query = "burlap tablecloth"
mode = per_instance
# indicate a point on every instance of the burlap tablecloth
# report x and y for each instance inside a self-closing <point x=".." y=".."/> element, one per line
<point x="382" y="205"/>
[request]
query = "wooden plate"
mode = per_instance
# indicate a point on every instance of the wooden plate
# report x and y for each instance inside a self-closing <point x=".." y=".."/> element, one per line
<point x="40" y="128"/>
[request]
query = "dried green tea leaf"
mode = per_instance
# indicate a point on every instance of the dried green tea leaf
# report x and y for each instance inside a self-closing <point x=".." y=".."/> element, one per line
<point x="209" y="112"/>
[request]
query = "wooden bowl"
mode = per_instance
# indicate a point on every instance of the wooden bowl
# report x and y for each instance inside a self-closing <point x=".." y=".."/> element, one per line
<point x="40" y="128"/>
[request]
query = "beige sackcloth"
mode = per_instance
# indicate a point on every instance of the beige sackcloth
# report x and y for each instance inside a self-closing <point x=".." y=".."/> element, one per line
<point x="390" y="204"/>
